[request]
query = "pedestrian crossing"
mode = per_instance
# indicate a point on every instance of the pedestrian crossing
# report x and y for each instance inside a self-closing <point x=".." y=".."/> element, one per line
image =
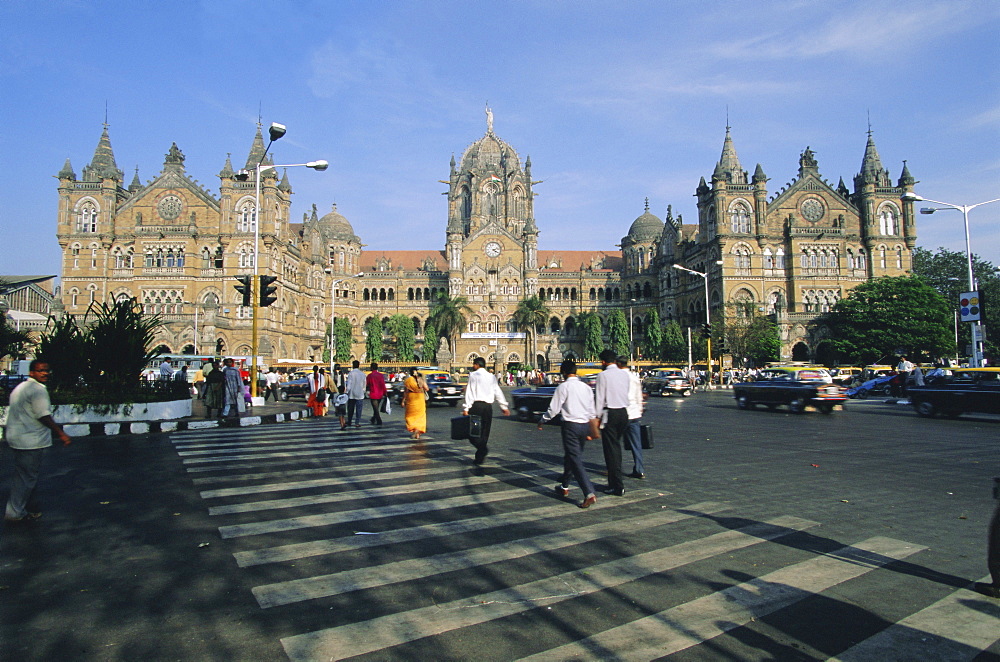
<point x="366" y="544"/>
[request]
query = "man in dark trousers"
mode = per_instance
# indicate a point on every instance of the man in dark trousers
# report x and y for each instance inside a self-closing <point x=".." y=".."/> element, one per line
<point x="575" y="402"/>
<point x="480" y="394"/>
<point x="612" y="399"/>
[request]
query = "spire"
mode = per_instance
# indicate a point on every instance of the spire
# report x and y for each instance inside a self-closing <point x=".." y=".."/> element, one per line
<point x="103" y="165"/>
<point x="729" y="163"/>
<point x="285" y="187"/>
<point x="758" y="174"/>
<point x="647" y="205"/>
<point x="906" y="179"/>
<point x="227" y="170"/>
<point x="136" y="184"/>
<point x="842" y="188"/>
<point x="257" y="151"/>
<point x="67" y="171"/>
<point x="871" y="165"/>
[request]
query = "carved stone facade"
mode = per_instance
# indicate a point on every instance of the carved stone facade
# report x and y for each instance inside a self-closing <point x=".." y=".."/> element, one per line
<point x="177" y="248"/>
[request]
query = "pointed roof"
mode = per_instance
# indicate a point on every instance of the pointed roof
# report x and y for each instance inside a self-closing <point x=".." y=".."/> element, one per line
<point x="729" y="162"/>
<point x="136" y="184"/>
<point x="67" y="171"/>
<point x="103" y="165"/>
<point x="284" y="186"/>
<point x="257" y="150"/>
<point x="227" y="169"/>
<point x="906" y="179"/>
<point x="871" y="164"/>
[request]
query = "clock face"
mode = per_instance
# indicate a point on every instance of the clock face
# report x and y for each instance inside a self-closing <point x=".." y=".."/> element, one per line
<point x="492" y="249"/>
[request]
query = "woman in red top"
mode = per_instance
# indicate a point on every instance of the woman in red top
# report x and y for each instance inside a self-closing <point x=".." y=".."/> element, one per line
<point x="375" y="384"/>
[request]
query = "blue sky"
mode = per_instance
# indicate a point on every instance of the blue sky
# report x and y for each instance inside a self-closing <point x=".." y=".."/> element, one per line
<point x="614" y="102"/>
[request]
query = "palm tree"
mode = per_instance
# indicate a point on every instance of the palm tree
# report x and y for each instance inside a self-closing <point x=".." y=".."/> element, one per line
<point x="530" y="314"/>
<point x="449" y="316"/>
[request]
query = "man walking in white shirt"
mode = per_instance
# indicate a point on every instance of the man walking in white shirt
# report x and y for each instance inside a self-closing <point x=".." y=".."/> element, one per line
<point x="355" y="389"/>
<point x="633" y="434"/>
<point x="480" y="394"/>
<point x="575" y="402"/>
<point x="612" y="399"/>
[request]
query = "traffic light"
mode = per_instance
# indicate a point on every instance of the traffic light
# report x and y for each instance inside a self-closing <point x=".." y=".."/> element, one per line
<point x="266" y="290"/>
<point x="706" y="330"/>
<point x="245" y="288"/>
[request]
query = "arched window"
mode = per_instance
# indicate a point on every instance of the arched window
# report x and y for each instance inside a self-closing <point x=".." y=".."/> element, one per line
<point x="768" y="259"/>
<point x="881" y="257"/>
<point x="739" y="218"/>
<point x="86" y="220"/>
<point x="218" y="257"/>
<point x="899" y="257"/>
<point x="779" y="259"/>
<point x="861" y="263"/>
<point x="245" y="257"/>
<point x="246" y="217"/>
<point x="887" y="220"/>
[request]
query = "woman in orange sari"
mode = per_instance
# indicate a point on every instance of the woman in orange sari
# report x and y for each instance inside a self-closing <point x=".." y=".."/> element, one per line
<point x="415" y="404"/>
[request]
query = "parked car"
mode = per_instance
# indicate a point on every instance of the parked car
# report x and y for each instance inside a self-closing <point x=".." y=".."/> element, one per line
<point x="967" y="390"/>
<point x="845" y="376"/>
<point x="297" y="387"/>
<point x="667" y="381"/>
<point x="443" y="388"/>
<point x="530" y="402"/>
<point x="9" y="382"/>
<point x="795" y="387"/>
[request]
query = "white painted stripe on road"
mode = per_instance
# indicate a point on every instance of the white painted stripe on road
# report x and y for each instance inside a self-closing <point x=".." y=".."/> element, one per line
<point x="265" y="436"/>
<point x="335" y="481"/>
<point x="378" y="633"/>
<point x="440" y="452"/>
<point x="383" y="449"/>
<point x="289" y="444"/>
<point x="328" y="519"/>
<point x="353" y="495"/>
<point x="321" y="586"/>
<point x="694" y="622"/>
<point x="958" y="627"/>
<point x="443" y="458"/>
<point x="455" y="527"/>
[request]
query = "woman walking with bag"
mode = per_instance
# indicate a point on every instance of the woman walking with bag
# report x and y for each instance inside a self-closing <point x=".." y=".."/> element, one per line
<point x="415" y="404"/>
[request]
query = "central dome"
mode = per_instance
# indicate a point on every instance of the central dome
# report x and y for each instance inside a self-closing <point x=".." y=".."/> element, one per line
<point x="646" y="227"/>
<point x="336" y="225"/>
<point x="490" y="151"/>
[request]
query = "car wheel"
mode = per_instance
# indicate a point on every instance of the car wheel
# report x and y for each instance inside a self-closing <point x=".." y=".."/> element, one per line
<point x="861" y="395"/>
<point x="283" y="395"/>
<point x="925" y="409"/>
<point x="743" y="402"/>
<point x="825" y="409"/>
<point x="523" y="414"/>
<point x="797" y="406"/>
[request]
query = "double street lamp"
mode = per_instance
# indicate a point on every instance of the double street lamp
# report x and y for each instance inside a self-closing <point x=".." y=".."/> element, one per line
<point x="332" y="343"/>
<point x="275" y="132"/>
<point x="976" y="358"/>
<point x="708" y="319"/>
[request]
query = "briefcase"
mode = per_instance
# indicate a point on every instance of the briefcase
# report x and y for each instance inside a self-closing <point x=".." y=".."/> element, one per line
<point x="466" y="427"/>
<point x="646" y="435"/>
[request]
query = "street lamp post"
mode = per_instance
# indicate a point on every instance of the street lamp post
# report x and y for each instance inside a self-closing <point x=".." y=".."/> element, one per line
<point x="708" y="318"/>
<point x="631" y="341"/>
<point x="332" y="343"/>
<point x="976" y="358"/>
<point x="275" y="132"/>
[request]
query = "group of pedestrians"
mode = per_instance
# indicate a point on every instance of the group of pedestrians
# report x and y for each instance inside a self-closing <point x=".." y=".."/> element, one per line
<point x="611" y="413"/>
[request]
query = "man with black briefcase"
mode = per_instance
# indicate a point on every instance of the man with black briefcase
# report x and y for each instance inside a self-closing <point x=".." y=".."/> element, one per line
<point x="480" y="394"/>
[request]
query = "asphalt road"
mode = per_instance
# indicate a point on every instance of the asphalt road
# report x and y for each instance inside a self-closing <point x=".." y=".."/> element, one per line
<point x="755" y="536"/>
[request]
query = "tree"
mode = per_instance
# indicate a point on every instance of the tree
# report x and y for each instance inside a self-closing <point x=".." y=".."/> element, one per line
<point x="400" y="327"/>
<point x="654" y="335"/>
<point x="342" y="337"/>
<point x="430" y="343"/>
<point x="673" y="347"/>
<point x="529" y="315"/>
<point x="373" y="343"/>
<point x="887" y="316"/>
<point x="121" y="336"/>
<point x="449" y="315"/>
<point x="13" y="342"/>
<point x="749" y="335"/>
<point x="593" y="335"/>
<point x="67" y="351"/>
<point x="948" y="273"/>
<point x="618" y="336"/>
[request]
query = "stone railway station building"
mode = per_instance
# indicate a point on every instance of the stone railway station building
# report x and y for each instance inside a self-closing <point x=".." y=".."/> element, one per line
<point x="177" y="247"/>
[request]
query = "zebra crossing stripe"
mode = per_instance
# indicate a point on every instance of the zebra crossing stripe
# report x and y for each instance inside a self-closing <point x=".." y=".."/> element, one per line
<point x="443" y="458"/>
<point x="455" y="527"/>
<point x="384" y="448"/>
<point x="193" y="450"/>
<point x="277" y="458"/>
<point x="378" y="633"/>
<point x="328" y="519"/>
<point x="960" y="626"/>
<point x="353" y="495"/>
<point x="692" y="623"/>
<point x="309" y="588"/>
